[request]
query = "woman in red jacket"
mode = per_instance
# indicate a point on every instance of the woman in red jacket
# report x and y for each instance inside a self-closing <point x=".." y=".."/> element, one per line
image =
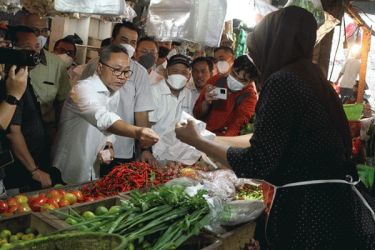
<point x="225" y="117"/>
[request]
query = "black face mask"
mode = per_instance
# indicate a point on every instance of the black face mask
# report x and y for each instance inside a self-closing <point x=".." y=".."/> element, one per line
<point x="163" y="52"/>
<point x="147" y="61"/>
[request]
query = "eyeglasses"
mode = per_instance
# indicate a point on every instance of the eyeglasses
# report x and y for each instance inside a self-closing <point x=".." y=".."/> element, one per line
<point x="145" y="51"/>
<point x="70" y="53"/>
<point x="118" y="73"/>
<point x="242" y="80"/>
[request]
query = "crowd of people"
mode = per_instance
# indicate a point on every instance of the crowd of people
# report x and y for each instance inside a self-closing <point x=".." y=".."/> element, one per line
<point x="68" y="123"/>
<point x="74" y="123"/>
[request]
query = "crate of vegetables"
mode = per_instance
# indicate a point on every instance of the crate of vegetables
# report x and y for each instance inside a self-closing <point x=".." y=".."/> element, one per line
<point x="23" y="228"/>
<point x="63" y="217"/>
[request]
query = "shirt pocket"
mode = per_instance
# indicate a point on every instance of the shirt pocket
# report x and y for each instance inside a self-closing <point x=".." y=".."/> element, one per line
<point x="50" y="91"/>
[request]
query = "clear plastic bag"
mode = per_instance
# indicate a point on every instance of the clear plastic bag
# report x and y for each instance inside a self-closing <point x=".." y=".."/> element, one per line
<point x="315" y="7"/>
<point x="241" y="211"/>
<point x="103" y="7"/>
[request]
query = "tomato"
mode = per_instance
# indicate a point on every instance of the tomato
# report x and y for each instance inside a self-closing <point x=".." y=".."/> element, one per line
<point x="12" y="201"/>
<point x="21" y="198"/>
<point x="101" y="210"/>
<point x="114" y="209"/>
<point x="88" y="215"/>
<point x="71" y="198"/>
<point x="89" y="198"/>
<point x="3" y="206"/>
<point x="47" y="207"/>
<point x="53" y="202"/>
<point x="62" y="192"/>
<point x="64" y="203"/>
<point x="38" y="203"/>
<point x="12" y="209"/>
<point x="23" y="209"/>
<point x="54" y="194"/>
<point x="79" y="195"/>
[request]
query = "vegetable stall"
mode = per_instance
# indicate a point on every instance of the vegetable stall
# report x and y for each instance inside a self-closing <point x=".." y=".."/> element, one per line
<point x="144" y="207"/>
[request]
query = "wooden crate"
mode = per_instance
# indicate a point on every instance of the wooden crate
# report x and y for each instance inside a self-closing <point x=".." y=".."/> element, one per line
<point x="21" y="222"/>
<point x="58" y="221"/>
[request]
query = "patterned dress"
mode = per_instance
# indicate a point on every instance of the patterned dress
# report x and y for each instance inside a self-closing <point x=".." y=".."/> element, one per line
<point x="295" y="141"/>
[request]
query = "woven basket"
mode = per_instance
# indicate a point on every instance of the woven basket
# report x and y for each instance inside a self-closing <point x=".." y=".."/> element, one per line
<point x="74" y="241"/>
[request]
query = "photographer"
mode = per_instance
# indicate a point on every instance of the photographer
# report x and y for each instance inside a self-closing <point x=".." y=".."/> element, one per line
<point x="26" y="134"/>
<point x="11" y="91"/>
<point x="227" y="113"/>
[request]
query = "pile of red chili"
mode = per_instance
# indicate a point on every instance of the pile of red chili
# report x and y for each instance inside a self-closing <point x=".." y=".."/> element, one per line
<point x="124" y="178"/>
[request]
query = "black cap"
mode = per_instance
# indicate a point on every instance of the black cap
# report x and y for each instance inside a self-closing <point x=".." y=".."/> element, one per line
<point x="176" y="59"/>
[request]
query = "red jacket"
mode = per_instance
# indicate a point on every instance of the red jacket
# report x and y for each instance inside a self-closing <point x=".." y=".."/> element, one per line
<point x="226" y="117"/>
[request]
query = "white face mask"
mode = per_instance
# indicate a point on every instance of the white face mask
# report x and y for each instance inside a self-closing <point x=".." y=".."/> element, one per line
<point x="129" y="49"/>
<point x="177" y="81"/>
<point x="222" y="67"/>
<point x="66" y="59"/>
<point x="42" y="41"/>
<point x="233" y="84"/>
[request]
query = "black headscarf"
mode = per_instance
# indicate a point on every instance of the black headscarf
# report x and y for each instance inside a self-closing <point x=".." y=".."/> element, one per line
<point x="284" y="40"/>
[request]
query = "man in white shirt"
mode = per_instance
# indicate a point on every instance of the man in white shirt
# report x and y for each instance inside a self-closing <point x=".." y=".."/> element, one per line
<point x="202" y="70"/>
<point x="135" y="100"/>
<point x="88" y="119"/>
<point x="146" y="54"/>
<point x="348" y="76"/>
<point x="171" y="97"/>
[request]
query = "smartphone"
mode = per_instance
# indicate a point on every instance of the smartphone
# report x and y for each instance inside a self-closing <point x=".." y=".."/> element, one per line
<point x="221" y="93"/>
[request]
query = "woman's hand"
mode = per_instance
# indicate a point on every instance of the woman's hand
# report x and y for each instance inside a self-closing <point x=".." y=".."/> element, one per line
<point x="210" y="94"/>
<point x="188" y="133"/>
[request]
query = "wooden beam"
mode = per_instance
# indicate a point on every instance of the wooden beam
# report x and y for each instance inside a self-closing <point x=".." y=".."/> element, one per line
<point x="366" y="41"/>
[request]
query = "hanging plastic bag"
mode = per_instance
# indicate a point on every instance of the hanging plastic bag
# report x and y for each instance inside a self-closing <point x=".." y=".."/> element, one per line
<point x="315" y="7"/>
<point x="103" y="7"/>
<point x="190" y="20"/>
<point x="329" y="24"/>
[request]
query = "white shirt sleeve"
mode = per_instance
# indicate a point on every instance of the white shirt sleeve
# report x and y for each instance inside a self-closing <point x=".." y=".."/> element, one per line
<point x="143" y="102"/>
<point x="153" y="115"/>
<point x="92" y="107"/>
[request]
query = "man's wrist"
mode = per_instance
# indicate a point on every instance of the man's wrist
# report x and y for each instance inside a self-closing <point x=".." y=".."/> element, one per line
<point x="149" y="149"/>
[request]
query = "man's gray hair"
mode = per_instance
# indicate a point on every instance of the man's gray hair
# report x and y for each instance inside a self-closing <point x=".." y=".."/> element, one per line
<point x="105" y="53"/>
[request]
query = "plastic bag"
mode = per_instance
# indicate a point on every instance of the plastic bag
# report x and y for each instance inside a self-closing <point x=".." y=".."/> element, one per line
<point x="313" y="6"/>
<point x="329" y="24"/>
<point x="103" y="7"/>
<point x="241" y="211"/>
<point x="196" y="21"/>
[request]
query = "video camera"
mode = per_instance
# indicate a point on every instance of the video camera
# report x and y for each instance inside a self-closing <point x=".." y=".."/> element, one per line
<point x="17" y="57"/>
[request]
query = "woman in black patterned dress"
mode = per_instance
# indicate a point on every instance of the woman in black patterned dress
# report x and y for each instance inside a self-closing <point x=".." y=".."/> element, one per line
<point x="301" y="134"/>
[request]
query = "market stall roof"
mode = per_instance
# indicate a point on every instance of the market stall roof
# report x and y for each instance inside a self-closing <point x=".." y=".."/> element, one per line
<point x="353" y="12"/>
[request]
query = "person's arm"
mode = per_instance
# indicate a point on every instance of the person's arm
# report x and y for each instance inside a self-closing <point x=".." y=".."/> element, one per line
<point x="62" y="92"/>
<point x="242" y="113"/>
<point x="203" y="104"/>
<point x="145" y="154"/>
<point x="21" y="151"/>
<point x="271" y="135"/>
<point x="241" y="141"/>
<point x="188" y="133"/>
<point x="91" y="108"/>
<point x="146" y="136"/>
<point x="15" y="86"/>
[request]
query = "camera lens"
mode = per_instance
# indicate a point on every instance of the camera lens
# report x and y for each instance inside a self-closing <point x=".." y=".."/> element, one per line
<point x="222" y="91"/>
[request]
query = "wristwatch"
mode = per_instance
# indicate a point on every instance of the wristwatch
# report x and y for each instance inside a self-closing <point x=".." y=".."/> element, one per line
<point x="11" y="100"/>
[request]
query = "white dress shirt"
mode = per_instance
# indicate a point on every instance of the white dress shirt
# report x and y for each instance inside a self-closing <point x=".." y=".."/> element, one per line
<point x="168" y="110"/>
<point x="350" y="72"/>
<point x="135" y="96"/>
<point x="87" y="114"/>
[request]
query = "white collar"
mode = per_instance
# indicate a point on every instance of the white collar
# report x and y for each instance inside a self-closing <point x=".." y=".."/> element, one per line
<point x="98" y="84"/>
